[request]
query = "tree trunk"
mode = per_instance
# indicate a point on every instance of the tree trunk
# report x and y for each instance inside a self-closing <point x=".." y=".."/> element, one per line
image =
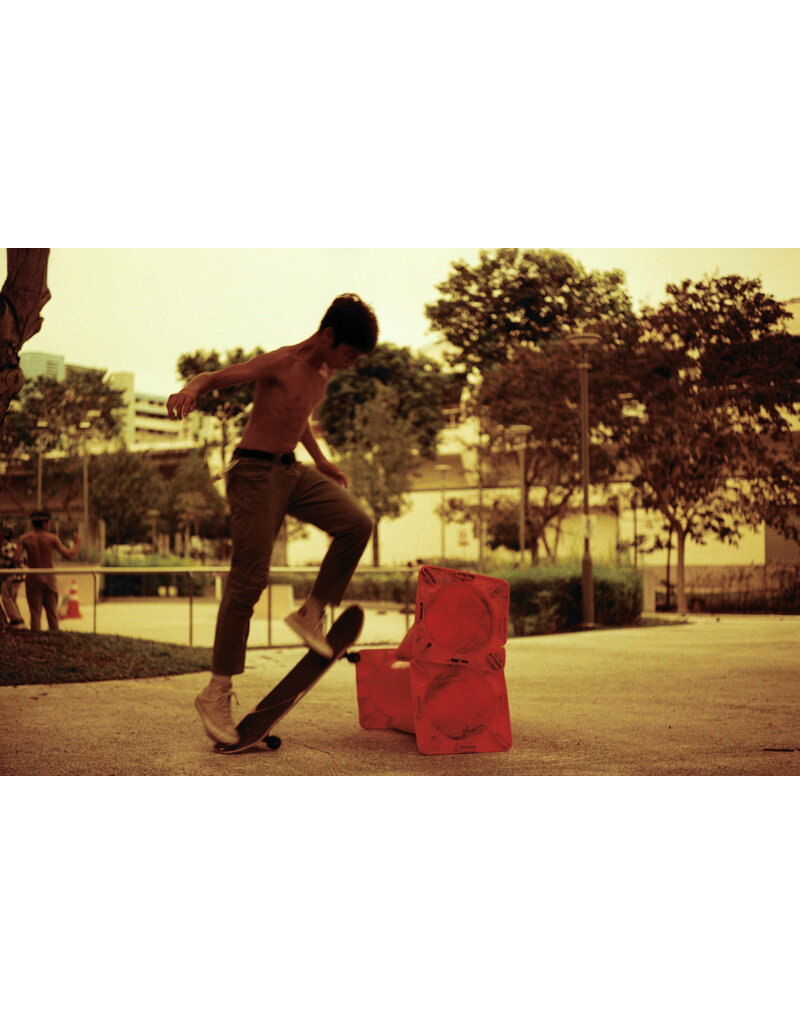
<point x="680" y="574"/>
<point x="376" y="556"/>
<point x="669" y="559"/>
<point x="23" y="296"/>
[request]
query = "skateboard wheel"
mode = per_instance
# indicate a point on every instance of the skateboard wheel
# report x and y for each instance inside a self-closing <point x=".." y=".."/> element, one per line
<point x="273" y="742"/>
<point x="353" y="657"/>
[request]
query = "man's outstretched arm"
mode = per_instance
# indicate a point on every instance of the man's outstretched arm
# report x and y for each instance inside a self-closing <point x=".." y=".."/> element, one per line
<point x="184" y="401"/>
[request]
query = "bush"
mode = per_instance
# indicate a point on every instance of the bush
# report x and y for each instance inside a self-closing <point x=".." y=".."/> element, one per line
<point x="549" y="599"/>
<point x="131" y="584"/>
<point x="543" y="599"/>
<point x="389" y="587"/>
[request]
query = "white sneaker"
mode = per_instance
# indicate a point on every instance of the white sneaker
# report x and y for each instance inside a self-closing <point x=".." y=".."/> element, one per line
<point x="311" y="635"/>
<point x="214" y="707"/>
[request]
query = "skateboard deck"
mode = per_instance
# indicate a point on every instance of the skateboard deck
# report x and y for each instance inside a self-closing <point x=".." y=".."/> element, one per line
<point x="255" y="727"/>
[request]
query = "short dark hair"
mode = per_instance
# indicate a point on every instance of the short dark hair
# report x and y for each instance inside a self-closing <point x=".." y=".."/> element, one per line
<point x="40" y="517"/>
<point x="353" y="322"/>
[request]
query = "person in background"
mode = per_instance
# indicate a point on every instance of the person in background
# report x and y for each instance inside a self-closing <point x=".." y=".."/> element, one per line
<point x="40" y="588"/>
<point x="10" y="584"/>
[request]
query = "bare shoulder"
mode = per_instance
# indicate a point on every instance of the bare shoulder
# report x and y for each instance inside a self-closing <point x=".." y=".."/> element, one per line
<point x="270" y="365"/>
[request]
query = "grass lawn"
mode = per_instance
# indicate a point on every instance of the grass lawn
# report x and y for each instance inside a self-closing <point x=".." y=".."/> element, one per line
<point x="60" y="657"/>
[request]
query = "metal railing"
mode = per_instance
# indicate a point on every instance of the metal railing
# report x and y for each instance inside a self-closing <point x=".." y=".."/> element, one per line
<point x="214" y="570"/>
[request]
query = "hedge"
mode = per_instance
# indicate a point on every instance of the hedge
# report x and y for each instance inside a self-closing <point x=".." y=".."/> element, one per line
<point x="131" y="584"/>
<point x="542" y="599"/>
<point x="549" y="599"/>
<point x="390" y="587"/>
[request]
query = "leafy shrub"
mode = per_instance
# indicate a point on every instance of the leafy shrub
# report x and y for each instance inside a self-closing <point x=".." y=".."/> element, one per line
<point x="387" y="587"/>
<point x="549" y="599"/>
<point x="543" y="599"/>
<point x="131" y="584"/>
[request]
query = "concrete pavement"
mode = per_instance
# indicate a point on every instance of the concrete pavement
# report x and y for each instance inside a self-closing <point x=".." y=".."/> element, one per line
<point x="712" y="696"/>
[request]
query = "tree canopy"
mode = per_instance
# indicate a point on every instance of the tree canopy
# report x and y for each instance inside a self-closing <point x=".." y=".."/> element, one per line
<point x="124" y="489"/>
<point x="61" y="416"/>
<point x="516" y="299"/>
<point x="192" y="501"/>
<point x="417" y="381"/>
<point x="541" y="389"/>
<point x="507" y="320"/>
<point x="713" y="381"/>
<point x="231" y="406"/>
<point x="381" y="417"/>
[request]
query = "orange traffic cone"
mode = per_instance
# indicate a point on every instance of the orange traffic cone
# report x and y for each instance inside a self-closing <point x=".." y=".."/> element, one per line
<point x="73" y="608"/>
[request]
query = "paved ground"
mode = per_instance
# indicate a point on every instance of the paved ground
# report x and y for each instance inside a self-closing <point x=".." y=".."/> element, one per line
<point x="706" y="697"/>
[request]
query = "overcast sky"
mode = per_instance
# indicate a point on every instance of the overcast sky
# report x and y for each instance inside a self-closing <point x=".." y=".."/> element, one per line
<point x="140" y="309"/>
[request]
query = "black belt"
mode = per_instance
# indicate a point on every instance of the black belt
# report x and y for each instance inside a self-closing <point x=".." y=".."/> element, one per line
<point x="256" y="453"/>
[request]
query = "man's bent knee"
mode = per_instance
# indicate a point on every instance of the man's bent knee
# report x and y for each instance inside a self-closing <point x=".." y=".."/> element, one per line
<point x="243" y="589"/>
<point x="363" y="528"/>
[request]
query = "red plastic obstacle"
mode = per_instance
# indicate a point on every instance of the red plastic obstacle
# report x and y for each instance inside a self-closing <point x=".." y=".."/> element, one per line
<point x="452" y="693"/>
<point x="383" y="685"/>
<point x="459" y="710"/>
<point x="461" y="618"/>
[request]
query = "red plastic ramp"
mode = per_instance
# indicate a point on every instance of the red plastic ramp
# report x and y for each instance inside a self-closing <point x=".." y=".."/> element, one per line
<point x="451" y="691"/>
<point x="459" y="709"/>
<point x="461" y="618"/>
<point x="383" y="688"/>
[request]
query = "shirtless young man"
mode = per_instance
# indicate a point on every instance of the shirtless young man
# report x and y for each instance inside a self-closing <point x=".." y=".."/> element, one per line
<point x="40" y="589"/>
<point x="265" y="483"/>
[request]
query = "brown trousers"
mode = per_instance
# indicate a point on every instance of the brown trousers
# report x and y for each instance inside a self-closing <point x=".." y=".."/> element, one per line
<point x="260" y="495"/>
<point x="41" y="590"/>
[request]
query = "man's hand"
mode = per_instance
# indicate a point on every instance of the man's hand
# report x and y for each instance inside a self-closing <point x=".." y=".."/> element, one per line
<point x="333" y="471"/>
<point x="181" y="404"/>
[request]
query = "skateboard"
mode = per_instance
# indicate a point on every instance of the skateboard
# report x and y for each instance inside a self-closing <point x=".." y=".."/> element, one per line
<point x="255" y="727"/>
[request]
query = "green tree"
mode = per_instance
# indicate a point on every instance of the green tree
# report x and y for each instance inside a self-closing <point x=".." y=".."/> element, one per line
<point x="542" y="390"/>
<point x="382" y="417"/>
<point x="714" y="380"/>
<point x="229" y="407"/>
<point x="499" y="520"/>
<point x="506" y="320"/>
<point x="378" y="451"/>
<point x="125" y="487"/>
<point x="516" y="299"/>
<point x="417" y="382"/>
<point x="62" y="417"/>
<point x="193" y="502"/>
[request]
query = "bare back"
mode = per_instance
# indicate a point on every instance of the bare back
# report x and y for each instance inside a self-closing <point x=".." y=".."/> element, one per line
<point x="39" y="546"/>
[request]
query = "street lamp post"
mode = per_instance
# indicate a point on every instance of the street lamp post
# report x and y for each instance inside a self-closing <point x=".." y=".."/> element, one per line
<point x="584" y="342"/>
<point x="483" y="441"/>
<point x="153" y="515"/>
<point x="444" y="469"/>
<point x="86" y="426"/>
<point x="518" y="435"/>
<point x="41" y="424"/>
